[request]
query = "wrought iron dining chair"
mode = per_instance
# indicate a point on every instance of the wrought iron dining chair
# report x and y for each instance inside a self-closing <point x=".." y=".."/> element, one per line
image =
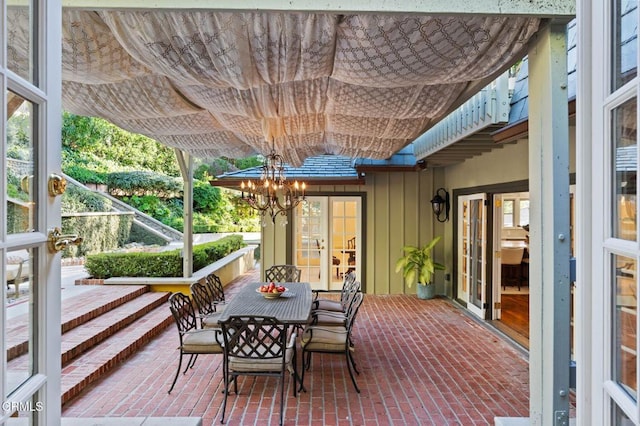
<point x="257" y="346"/>
<point x="283" y="274"/>
<point x="324" y="317"/>
<point x="209" y="308"/>
<point x="193" y="340"/>
<point x="216" y="290"/>
<point x="332" y="340"/>
<point x="332" y="304"/>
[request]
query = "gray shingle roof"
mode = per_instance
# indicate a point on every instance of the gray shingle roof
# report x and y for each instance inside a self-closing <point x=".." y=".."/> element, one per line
<point x="520" y="100"/>
<point x="319" y="167"/>
<point x="404" y="157"/>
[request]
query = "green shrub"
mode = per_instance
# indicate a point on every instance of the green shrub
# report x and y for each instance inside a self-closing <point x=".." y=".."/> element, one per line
<point x="206" y="198"/>
<point x="85" y="175"/>
<point x="143" y="183"/>
<point x="162" y="264"/>
<point x="77" y="200"/>
<point x="99" y="232"/>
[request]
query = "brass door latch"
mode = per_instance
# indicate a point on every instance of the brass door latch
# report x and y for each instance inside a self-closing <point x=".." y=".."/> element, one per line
<point x="58" y="242"/>
<point x="57" y="185"/>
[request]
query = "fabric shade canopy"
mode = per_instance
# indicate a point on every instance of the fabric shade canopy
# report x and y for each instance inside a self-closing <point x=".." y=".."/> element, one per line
<point x="233" y="84"/>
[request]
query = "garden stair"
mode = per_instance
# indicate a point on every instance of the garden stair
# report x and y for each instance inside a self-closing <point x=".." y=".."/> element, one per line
<point x="101" y="328"/>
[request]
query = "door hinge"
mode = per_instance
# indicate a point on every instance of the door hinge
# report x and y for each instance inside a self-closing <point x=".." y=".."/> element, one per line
<point x="497" y="305"/>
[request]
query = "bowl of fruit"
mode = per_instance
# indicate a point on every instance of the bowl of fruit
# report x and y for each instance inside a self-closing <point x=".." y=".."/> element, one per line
<point x="271" y="290"/>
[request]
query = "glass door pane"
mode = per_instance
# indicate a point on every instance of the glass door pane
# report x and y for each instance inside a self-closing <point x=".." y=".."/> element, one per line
<point x="21" y="153"/>
<point x="476" y="231"/>
<point x="21" y="317"/>
<point x="471" y="252"/>
<point x="344" y="239"/>
<point x="311" y="241"/>
<point x="625" y="324"/>
<point x="624" y="157"/>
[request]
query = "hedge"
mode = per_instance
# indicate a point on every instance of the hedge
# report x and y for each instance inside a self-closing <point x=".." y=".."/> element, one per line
<point x="123" y="184"/>
<point x="100" y="232"/>
<point x="162" y="264"/>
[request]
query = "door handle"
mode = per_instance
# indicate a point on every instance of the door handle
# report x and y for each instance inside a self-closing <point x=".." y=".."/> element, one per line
<point x="58" y="242"/>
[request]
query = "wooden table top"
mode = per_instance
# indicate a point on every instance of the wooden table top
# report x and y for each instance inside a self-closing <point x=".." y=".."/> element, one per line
<point x="293" y="307"/>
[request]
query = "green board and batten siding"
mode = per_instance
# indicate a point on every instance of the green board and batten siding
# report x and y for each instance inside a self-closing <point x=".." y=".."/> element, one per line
<point x="397" y="212"/>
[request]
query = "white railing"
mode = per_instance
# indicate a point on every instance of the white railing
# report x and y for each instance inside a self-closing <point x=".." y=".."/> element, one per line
<point x="487" y="107"/>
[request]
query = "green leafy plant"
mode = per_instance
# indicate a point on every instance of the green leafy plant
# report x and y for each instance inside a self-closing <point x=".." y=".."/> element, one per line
<point x="418" y="262"/>
<point x="163" y="264"/>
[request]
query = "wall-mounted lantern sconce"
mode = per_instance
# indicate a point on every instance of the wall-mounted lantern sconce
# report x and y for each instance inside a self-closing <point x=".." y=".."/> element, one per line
<point x="440" y="205"/>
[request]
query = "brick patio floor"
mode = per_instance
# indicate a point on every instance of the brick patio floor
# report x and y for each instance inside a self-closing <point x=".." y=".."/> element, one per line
<point x="422" y="362"/>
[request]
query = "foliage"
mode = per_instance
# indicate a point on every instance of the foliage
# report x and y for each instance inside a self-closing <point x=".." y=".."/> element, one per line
<point x="206" y="198"/>
<point x="85" y="175"/>
<point x="103" y="143"/>
<point x="143" y="183"/>
<point x="141" y="172"/>
<point x="99" y="232"/>
<point x="163" y="264"/>
<point x="76" y="200"/>
<point x="418" y="261"/>
<point x="17" y="218"/>
<point x="217" y="166"/>
<point x="18" y="130"/>
<point x="14" y="187"/>
<point x="139" y="234"/>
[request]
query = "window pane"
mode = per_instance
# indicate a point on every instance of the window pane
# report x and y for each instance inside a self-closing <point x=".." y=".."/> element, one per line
<point x="20" y="41"/>
<point x="620" y="418"/>
<point x="507" y="213"/>
<point x="524" y="213"/>
<point x="19" y="165"/>
<point x="625" y="152"/>
<point x="20" y="328"/>
<point x="625" y="42"/>
<point x="624" y="323"/>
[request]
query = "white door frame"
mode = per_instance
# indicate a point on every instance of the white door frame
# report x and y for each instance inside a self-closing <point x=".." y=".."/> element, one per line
<point x="40" y="393"/>
<point x="466" y="272"/>
<point x="326" y="276"/>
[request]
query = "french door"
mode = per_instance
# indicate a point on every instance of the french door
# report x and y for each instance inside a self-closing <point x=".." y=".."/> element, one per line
<point x="327" y="240"/>
<point x="30" y="208"/>
<point x="471" y="280"/>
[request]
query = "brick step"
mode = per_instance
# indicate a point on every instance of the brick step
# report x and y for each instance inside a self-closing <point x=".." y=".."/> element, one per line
<point x="80" y="339"/>
<point x="102" y="358"/>
<point x="84" y="307"/>
<point x="76" y="310"/>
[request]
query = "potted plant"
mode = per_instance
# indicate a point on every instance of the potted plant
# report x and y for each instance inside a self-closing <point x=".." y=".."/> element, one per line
<point x="418" y="262"/>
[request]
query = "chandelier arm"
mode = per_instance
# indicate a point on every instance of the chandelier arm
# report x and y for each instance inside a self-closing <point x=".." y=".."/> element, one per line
<point x="273" y="194"/>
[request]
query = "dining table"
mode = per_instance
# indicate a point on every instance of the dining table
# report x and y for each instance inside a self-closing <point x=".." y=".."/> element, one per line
<point x="292" y="307"/>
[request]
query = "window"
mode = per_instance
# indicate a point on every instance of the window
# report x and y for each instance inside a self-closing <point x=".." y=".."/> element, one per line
<point x="507" y="213"/>
<point x="621" y="244"/>
<point x="515" y="210"/>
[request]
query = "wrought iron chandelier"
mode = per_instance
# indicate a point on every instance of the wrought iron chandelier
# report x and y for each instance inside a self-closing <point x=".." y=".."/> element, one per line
<point x="273" y="194"/>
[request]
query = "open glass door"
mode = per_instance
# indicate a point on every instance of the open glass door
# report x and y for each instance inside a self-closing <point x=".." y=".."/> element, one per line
<point x="471" y="252"/>
<point x="30" y="208"/>
<point x="327" y="240"/>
